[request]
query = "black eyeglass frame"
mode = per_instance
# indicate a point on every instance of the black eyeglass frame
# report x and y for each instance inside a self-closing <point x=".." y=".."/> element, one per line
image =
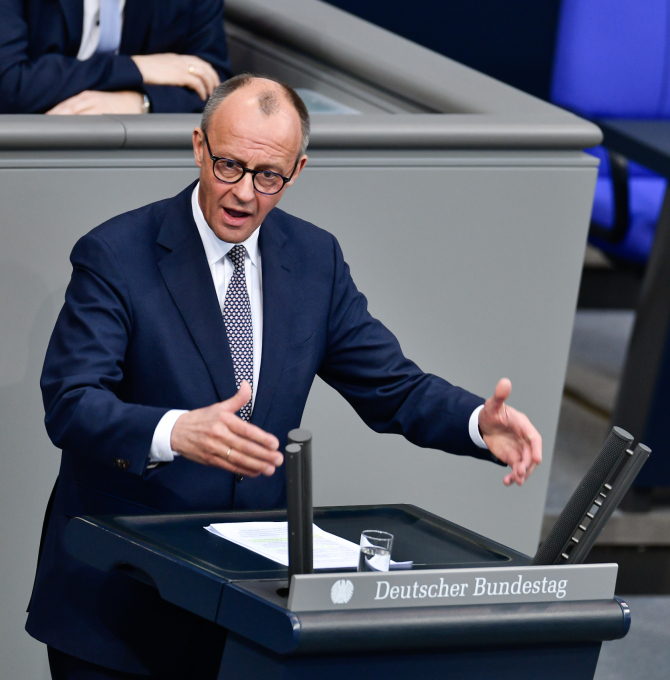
<point x="248" y="170"/>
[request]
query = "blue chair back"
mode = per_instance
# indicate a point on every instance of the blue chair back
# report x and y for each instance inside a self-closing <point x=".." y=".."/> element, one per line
<point x="612" y="59"/>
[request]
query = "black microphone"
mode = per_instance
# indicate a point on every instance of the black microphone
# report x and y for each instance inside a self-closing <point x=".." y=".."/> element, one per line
<point x="300" y="513"/>
<point x="296" y="544"/>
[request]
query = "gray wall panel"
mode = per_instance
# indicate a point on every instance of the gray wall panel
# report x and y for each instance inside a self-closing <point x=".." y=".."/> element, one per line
<point x="483" y="284"/>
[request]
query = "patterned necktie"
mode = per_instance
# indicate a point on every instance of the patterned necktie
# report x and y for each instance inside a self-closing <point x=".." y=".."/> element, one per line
<point x="237" y="319"/>
<point x="110" y="27"/>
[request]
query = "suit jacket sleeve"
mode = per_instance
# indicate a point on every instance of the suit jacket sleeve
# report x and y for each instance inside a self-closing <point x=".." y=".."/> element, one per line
<point x="84" y="366"/>
<point x="37" y="85"/>
<point x="364" y="363"/>
<point x="206" y="39"/>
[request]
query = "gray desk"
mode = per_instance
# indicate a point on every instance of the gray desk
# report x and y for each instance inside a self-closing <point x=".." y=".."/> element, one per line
<point x="479" y="190"/>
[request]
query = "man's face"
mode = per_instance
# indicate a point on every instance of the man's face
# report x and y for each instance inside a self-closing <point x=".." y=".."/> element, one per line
<point x="239" y="130"/>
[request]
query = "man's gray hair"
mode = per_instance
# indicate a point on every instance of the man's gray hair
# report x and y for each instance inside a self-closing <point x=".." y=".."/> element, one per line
<point x="268" y="102"/>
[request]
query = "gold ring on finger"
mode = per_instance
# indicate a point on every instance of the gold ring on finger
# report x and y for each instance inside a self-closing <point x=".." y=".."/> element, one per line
<point x="191" y="69"/>
<point x="228" y="453"/>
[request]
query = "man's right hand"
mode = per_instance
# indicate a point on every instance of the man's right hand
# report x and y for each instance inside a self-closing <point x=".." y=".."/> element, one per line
<point x="214" y="435"/>
<point x="184" y="70"/>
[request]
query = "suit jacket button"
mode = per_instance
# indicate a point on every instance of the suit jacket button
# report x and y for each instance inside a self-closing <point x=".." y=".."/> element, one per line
<point x="122" y="463"/>
<point x="240" y="478"/>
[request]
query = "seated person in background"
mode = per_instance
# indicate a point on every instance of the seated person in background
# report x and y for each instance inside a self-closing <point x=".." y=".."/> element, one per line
<point x="74" y="57"/>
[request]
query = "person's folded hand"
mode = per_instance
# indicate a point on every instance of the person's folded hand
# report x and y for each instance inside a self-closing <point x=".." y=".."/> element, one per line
<point x="184" y="70"/>
<point x="92" y="102"/>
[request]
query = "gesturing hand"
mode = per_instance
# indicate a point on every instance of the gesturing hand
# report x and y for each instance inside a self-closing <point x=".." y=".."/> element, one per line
<point x="509" y="435"/>
<point x="91" y="102"/>
<point x="184" y="70"/>
<point x="214" y="435"/>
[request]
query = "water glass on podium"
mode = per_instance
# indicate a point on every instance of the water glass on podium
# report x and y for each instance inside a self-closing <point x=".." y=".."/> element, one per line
<point x="375" y="552"/>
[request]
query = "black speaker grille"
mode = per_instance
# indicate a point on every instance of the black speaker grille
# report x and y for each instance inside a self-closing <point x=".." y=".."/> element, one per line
<point x="582" y="499"/>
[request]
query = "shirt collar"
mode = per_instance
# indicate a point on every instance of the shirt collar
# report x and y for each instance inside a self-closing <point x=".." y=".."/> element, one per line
<point x="215" y="248"/>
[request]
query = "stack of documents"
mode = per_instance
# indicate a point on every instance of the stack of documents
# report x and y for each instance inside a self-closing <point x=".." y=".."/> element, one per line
<point x="270" y="539"/>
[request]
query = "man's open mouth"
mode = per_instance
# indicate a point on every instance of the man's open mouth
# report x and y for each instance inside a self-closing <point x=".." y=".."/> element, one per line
<point x="237" y="213"/>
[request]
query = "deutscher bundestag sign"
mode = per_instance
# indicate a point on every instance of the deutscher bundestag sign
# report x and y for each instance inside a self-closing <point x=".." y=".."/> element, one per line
<point x="448" y="587"/>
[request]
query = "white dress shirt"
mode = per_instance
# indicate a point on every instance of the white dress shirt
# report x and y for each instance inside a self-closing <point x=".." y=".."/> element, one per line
<point x="90" y="34"/>
<point x="222" y="269"/>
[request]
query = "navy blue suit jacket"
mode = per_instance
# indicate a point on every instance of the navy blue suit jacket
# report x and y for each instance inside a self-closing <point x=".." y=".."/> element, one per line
<point x="39" y="42"/>
<point x="141" y="332"/>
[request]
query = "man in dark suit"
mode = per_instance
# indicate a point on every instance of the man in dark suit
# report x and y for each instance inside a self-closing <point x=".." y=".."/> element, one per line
<point x="110" y="56"/>
<point x="190" y="336"/>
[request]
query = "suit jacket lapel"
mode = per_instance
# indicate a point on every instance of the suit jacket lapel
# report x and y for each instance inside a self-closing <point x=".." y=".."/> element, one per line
<point x="73" y="11"/>
<point x="138" y="16"/>
<point x="277" y="313"/>
<point x="188" y="278"/>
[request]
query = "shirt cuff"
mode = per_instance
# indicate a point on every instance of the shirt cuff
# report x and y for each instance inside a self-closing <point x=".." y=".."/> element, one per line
<point x="473" y="427"/>
<point x="161" y="451"/>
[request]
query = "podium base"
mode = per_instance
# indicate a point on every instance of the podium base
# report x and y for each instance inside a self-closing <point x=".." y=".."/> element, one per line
<point x="243" y="660"/>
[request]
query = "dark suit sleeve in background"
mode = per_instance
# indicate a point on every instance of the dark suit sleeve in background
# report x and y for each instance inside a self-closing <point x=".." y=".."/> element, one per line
<point x="84" y="366"/>
<point x="38" y="84"/>
<point x="204" y="38"/>
<point x="33" y="80"/>
<point x="365" y="364"/>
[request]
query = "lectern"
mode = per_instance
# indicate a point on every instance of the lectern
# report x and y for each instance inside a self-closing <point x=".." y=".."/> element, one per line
<point x="470" y="608"/>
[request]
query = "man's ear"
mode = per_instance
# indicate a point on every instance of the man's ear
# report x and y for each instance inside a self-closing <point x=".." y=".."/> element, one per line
<point x="298" y="170"/>
<point x="198" y="146"/>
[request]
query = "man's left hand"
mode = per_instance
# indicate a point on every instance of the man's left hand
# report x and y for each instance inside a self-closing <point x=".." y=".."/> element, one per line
<point x="509" y="435"/>
<point x="95" y="102"/>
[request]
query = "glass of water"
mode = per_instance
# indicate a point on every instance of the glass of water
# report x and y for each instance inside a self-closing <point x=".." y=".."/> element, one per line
<point x="375" y="550"/>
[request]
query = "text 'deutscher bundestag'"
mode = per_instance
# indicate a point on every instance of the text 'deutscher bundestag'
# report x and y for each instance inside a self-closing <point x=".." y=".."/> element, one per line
<point x="452" y="587"/>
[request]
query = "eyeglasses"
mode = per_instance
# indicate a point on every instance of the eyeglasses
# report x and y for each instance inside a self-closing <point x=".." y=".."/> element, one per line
<point x="231" y="172"/>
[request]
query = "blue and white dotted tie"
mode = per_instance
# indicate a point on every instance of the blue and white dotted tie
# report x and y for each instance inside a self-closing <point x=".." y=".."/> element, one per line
<point x="237" y="319"/>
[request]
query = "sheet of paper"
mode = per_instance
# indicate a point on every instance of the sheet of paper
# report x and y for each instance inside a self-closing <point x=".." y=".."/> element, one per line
<point x="270" y="539"/>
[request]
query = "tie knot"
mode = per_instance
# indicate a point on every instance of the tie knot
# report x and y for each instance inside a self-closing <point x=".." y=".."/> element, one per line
<point x="236" y="255"/>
